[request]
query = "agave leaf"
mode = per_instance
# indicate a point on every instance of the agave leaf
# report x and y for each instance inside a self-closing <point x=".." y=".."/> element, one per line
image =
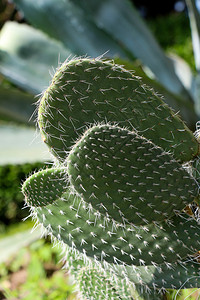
<point x="122" y="21"/>
<point x="20" y="145"/>
<point x="197" y="93"/>
<point x="67" y="23"/>
<point x="10" y="245"/>
<point x="195" y="30"/>
<point x="183" y="71"/>
<point x="27" y="55"/>
<point x="16" y="105"/>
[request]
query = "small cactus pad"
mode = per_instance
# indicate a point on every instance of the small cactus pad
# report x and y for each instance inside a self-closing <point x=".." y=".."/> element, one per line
<point x="127" y="177"/>
<point x="71" y="221"/>
<point x="44" y="187"/>
<point x="87" y="91"/>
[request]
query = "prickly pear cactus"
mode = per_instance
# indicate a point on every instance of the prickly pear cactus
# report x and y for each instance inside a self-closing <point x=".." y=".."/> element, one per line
<point x="120" y="197"/>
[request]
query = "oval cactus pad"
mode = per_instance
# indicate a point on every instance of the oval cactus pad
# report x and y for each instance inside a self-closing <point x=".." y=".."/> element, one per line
<point x="126" y="176"/>
<point x="86" y="91"/>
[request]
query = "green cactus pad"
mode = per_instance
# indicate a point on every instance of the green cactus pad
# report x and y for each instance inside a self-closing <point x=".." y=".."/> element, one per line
<point x="72" y="222"/>
<point x="87" y="91"/>
<point x="127" y="177"/>
<point x="44" y="187"/>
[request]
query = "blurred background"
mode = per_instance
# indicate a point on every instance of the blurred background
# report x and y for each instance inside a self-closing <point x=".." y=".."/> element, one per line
<point x="159" y="40"/>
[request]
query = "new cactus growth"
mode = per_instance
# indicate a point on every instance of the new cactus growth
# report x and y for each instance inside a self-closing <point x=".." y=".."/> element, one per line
<point x="119" y="197"/>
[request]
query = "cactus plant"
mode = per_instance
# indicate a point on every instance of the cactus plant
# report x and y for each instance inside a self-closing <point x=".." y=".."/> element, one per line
<point x="120" y="197"/>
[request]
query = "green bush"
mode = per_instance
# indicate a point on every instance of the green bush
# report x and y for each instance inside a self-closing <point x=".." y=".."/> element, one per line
<point x="11" y="198"/>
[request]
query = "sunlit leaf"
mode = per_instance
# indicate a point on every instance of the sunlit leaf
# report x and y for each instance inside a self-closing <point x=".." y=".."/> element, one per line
<point x="66" y="22"/>
<point x="20" y="145"/>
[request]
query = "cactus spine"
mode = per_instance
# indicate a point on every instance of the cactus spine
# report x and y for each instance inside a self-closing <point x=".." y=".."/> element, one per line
<point x="118" y="195"/>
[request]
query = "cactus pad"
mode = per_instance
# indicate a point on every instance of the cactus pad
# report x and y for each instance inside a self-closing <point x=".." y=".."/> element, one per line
<point x="128" y="177"/>
<point x="149" y="279"/>
<point x="45" y="187"/>
<point x="86" y="91"/>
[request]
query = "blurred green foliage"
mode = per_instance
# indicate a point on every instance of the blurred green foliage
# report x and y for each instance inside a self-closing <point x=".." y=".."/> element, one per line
<point x="35" y="273"/>
<point x="11" y="198"/>
<point x="171" y="29"/>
